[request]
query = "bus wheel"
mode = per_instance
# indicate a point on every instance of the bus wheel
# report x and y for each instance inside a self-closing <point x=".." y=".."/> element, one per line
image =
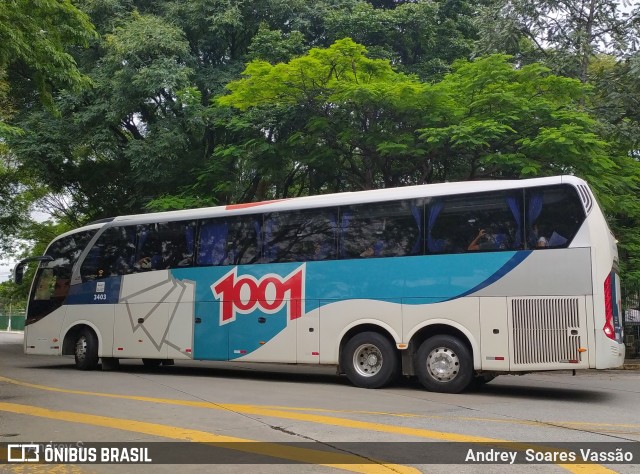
<point x="369" y="360"/>
<point x="151" y="362"/>
<point x="86" y="351"/>
<point x="444" y="364"/>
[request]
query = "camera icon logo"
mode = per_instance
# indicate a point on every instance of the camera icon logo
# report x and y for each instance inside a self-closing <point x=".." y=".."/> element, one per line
<point x="23" y="453"/>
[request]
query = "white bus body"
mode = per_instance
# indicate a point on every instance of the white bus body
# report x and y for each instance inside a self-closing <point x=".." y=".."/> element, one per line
<point x="451" y="282"/>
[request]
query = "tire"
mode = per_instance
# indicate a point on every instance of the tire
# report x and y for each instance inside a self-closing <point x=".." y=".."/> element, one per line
<point x="444" y="364"/>
<point x="369" y="360"/>
<point x="152" y="362"/>
<point x="86" y="350"/>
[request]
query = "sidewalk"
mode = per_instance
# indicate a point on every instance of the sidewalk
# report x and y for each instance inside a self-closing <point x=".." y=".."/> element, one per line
<point x="631" y="364"/>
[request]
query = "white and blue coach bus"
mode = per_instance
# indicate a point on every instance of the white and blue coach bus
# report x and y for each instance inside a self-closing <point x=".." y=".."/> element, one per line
<point x="452" y="283"/>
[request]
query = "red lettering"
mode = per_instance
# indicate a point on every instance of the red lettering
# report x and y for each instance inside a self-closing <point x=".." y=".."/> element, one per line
<point x="249" y="303"/>
<point x="243" y="294"/>
<point x="262" y="295"/>
<point x="224" y="288"/>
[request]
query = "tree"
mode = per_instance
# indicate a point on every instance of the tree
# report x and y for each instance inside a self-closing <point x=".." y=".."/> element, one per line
<point x="506" y="121"/>
<point x="35" y="62"/>
<point x="615" y="101"/>
<point x="333" y="113"/>
<point x="422" y="37"/>
<point x="114" y="147"/>
<point x="486" y="119"/>
<point x="568" y="34"/>
<point x="34" y="38"/>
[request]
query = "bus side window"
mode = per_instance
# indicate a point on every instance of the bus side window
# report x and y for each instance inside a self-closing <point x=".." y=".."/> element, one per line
<point x="390" y="229"/>
<point x="111" y="255"/>
<point x="163" y="246"/>
<point x="177" y="244"/>
<point x="229" y="241"/>
<point x="212" y="246"/>
<point x="148" y="249"/>
<point x="554" y="214"/>
<point x="489" y="221"/>
<point x="298" y="236"/>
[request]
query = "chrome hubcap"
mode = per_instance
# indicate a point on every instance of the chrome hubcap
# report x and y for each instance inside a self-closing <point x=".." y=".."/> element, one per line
<point x="443" y="364"/>
<point x="367" y="360"/>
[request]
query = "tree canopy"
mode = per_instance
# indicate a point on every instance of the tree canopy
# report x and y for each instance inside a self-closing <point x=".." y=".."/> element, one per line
<point x="125" y="106"/>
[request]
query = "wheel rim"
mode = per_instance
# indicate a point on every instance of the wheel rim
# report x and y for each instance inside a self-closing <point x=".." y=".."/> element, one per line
<point x="81" y="348"/>
<point x="367" y="360"/>
<point x="443" y="364"/>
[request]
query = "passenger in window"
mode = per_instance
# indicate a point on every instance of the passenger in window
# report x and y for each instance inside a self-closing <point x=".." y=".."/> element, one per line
<point x="374" y="250"/>
<point x="144" y="264"/>
<point x="538" y="239"/>
<point x="481" y="239"/>
<point x="491" y="240"/>
<point x="321" y="251"/>
<point x="175" y="254"/>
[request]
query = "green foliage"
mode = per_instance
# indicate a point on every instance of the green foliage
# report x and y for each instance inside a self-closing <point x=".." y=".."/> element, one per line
<point x="176" y="203"/>
<point x="566" y="34"/>
<point x="313" y="111"/>
<point x="34" y="37"/>
<point x="421" y="37"/>
<point x="505" y="121"/>
<point x="333" y="105"/>
<point x="275" y="46"/>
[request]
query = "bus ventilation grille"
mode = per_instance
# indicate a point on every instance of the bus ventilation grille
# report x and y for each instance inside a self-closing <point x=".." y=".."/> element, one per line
<point x="585" y="196"/>
<point x="545" y="330"/>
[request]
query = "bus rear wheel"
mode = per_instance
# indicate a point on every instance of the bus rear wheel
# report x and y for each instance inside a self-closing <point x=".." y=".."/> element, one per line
<point x="86" y="350"/>
<point x="369" y="360"/>
<point x="444" y="364"/>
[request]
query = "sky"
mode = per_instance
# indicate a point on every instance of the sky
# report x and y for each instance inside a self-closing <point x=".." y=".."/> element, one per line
<point x="7" y="264"/>
<point x="5" y="271"/>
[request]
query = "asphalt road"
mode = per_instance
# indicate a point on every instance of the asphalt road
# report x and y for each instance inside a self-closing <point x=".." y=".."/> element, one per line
<point x="44" y="399"/>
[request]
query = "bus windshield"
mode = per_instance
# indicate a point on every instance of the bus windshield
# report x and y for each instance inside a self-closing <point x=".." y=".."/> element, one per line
<point x="52" y="279"/>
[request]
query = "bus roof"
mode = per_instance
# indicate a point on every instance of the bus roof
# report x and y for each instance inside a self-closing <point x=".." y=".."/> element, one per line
<point x="336" y="199"/>
<point x="346" y="198"/>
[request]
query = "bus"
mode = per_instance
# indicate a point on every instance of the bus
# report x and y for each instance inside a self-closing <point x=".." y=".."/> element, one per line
<point x="453" y="283"/>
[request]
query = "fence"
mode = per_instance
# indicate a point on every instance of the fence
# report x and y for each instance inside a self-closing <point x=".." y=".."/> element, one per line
<point x="631" y="312"/>
<point x="12" y="322"/>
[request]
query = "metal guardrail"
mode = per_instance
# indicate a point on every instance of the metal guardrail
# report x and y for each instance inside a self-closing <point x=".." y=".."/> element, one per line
<point x="631" y="318"/>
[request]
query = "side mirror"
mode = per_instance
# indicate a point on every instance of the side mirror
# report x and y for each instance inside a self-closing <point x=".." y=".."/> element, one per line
<point x="18" y="271"/>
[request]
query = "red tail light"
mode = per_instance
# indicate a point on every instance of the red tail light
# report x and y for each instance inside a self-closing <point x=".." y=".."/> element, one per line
<point x="608" y="309"/>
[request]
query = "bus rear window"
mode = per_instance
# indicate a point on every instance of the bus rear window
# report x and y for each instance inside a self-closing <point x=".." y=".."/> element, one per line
<point x="553" y="216"/>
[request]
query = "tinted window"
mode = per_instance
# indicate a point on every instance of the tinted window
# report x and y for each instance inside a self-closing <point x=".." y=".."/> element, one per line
<point x="65" y="253"/>
<point x="388" y="229"/>
<point x="112" y="254"/>
<point x="53" y="278"/>
<point x="554" y="215"/>
<point x="229" y="241"/>
<point x="164" y="245"/>
<point x="475" y="222"/>
<point x="297" y="236"/>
